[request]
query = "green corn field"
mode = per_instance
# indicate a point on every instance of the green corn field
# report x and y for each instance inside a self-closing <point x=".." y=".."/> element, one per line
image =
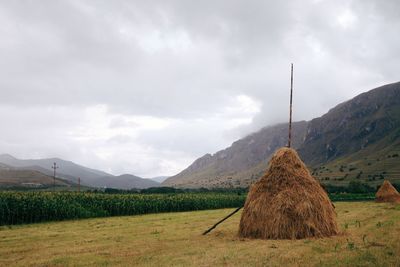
<point x="32" y="207"/>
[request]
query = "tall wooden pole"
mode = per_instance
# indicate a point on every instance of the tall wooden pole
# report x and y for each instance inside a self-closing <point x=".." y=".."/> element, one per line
<point x="290" y="111"/>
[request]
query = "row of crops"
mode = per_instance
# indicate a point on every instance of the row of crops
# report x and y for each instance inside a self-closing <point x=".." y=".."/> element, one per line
<point x="32" y="207"/>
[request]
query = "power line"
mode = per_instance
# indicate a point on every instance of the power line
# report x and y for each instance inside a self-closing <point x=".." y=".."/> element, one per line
<point x="54" y="167"/>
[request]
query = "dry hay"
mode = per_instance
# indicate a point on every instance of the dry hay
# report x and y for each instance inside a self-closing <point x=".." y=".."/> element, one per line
<point x="387" y="193"/>
<point x="287" y="203"/>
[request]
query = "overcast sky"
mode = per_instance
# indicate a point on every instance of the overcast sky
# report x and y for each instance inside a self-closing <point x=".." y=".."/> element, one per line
<point x="146" y="87"/>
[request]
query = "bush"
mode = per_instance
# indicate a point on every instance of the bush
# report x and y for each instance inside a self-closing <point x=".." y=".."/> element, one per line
<point x="354" y="187"/>
<point x="358" y="187"/>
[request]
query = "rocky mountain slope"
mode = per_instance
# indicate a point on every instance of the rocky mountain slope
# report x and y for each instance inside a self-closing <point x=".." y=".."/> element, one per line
<point x="231" y="166"/>
<point x="353" y="125"/>
<point x="367" y="125"/>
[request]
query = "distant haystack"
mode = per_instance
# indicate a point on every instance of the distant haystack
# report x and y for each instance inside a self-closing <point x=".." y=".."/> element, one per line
<point x="387" y="193"/>
<point x="287" y="203"/>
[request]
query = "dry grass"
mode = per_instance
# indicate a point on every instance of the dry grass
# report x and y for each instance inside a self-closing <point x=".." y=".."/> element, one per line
<point x="287" y="203"/>
<point x="371" y="238"/>
<point x="387" y="193"/>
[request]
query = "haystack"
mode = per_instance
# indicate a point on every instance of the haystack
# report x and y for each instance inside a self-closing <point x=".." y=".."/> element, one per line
<point x="287" y="203"/>
<point x="387" y="193"/>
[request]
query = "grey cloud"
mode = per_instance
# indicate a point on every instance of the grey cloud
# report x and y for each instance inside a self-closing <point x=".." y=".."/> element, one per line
<point x="182" y="61"/>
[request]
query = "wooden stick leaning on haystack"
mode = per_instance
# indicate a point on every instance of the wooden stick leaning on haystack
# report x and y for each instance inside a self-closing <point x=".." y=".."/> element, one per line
<point x="215" y="225"/>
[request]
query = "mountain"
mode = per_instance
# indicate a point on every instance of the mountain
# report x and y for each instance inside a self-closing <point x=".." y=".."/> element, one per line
<point x="366" y="127"/>
<point x="357" y="140"/>
<point x="159" y="179"/>
<point x="11" y="177"/>
<point x="70" y="171"/>
<point x="354" y="125"/>
<point x="66" y="169"/>
<point x="241" y="163"/>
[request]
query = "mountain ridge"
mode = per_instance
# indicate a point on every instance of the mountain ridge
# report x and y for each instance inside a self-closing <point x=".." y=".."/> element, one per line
<point x="71" y="171"/>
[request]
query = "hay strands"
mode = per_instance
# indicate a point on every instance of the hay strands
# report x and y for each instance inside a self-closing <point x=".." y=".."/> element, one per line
<point x="215" y="225"/>
<point x="287" y="203"/>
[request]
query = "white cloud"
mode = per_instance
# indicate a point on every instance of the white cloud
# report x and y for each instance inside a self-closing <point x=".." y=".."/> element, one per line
<point x="347" y="19"/>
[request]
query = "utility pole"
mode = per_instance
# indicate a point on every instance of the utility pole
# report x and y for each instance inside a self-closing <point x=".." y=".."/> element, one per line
<point x="290" y="109"/>
<point x="54" y="167"/>
<point x="79" y="184"/>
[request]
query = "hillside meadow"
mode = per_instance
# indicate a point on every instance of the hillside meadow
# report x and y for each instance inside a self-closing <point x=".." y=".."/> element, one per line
<point x="370" y="237"/>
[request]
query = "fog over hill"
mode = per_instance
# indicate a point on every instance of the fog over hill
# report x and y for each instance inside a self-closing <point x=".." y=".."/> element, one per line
<point x="367" y="125"/>
<point x="159" y="179"/>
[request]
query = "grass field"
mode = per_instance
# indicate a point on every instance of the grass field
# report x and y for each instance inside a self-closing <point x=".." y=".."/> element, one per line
<point x="370" y="237"/>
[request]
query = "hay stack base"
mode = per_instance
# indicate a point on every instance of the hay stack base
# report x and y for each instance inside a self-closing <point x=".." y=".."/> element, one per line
<point x="387" y="193"/>
<point x="287" y="203"/>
